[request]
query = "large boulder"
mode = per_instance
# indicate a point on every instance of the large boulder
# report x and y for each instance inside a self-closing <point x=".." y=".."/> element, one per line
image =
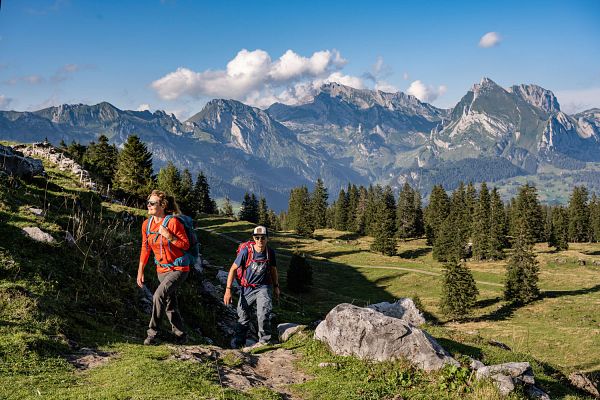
<point x="403" y="308"/>
<point x="368" y="334"/>
<point x="16" y="164"/>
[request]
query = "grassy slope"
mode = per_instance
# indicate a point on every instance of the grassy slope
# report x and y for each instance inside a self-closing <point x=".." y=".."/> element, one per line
<point x="52" y="295"/>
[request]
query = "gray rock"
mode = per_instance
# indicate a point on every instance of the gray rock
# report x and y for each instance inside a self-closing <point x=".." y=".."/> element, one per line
<point x="14" y="163"/>
<point x="38" y="235"/>
<point x="475" y="364"/>
<point x="507" y="375"/>
<point x="36" y="211"/>
<point x="198" y="266"/>
<point x="368" y="334"/>
<point x="329" y="364"/>
<point x="499" y="344"/>
<point x="583" y="382"/>
<point x="287" y="330"/>
<point x="70" y="239"/>
<point x="403" y="308"/>
<point x="535" y="392"/>
<point x="222" y="277"/>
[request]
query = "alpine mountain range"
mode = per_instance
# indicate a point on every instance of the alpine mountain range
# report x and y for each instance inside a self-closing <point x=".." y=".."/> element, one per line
<point x="345" y="135"/>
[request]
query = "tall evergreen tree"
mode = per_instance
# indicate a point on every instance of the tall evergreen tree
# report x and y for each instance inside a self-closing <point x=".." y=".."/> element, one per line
<point x="202" y="201"/>
<point x="169" y="180"/>
<point x="134" y="168"/>
<point x="482" y="225"/>
<point x="227" y="207"/>
<point x="594" y="218"/>
<point x="436" y="212"/>
<point x="76" y="151"/>
<point x="522" y="270"/>
<point x="318" y="200"/>
<point x="341" y="211"/>
<point x="579" y="217"/>
<point x="298" y="217"/>
<point x="186" y="191"/>
<point x="406" y="215"/>
<point x="361" y="209"/>
<point x="471" y="204"/>
<point x="527" y="218"/>
<point x="498" y="227"/>
<point x="419" y="222"/>
<point x="101" y="159"/>
<point x="384" y="225"/>
<point x="459" y="292"/>
<point x="559" y="236"/>
<point x="249" y="210"/>
<point x="263" y="213"/>
<point x="374" y="195"/>
<point x="450" y="245"/>
<point x="353" y="197"/>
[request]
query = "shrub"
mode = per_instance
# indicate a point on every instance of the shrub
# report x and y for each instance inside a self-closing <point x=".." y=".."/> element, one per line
<point x="299" y="275"/>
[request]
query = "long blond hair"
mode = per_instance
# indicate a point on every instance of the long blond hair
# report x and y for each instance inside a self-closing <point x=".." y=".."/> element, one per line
<point x="167" y="201"/>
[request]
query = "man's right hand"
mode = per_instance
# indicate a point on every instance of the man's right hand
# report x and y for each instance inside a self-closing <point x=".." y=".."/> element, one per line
<point x="140" y="279"/>
<point x="227" y="297"/>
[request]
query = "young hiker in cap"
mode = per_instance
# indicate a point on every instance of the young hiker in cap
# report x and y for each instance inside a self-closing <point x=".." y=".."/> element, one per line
<point x="168" y="243"/>
<point x="255" y="268"/>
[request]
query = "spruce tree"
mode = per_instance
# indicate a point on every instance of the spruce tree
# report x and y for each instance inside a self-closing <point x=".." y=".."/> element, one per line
<point x="134" y="168"/>
<point x="361" y="208"/>
<point x="594" y="219"/>
<point x="451" y="242"/>
<point x="341" y="211"/>
<point x="406" y="215"/>
<point x="101" y="160"/>
<point x="384" y="224"/>
<point x="374" y="195"/>
<point x="497" y="241"/>
<point x="318" y="201"/>
<point x="559" y="237"/>
<point x="353" y="197"/>
<point x="481" y="225"/>
<point x="471" y="205"/>
<point x="263" y="213"/>
<point x="202" y="201"/>
<point x="579" y="218"/>
<point x="249" y="210"/>
<point x="186" y="193"/>
<point x="527" y="218"/>
<point x="522" y="270"/>
<point x="76" y="152"/>
<point x="298" y="217"/>
<point x="436" y="213"/>
<point x="459" y="291"/>
<point x="419" y="222"/>
<point x="169" y="180"/>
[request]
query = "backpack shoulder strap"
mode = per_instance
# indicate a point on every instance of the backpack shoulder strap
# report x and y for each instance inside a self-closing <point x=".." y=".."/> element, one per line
<point x="166" y="219"/>
<point x="148" y="223"/>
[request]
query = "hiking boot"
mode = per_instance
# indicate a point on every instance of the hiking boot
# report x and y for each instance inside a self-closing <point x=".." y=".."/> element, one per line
<point x="150" y="340"/>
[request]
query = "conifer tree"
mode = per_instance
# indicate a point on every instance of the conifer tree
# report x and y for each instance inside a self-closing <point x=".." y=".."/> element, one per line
<point x="471" y="205"/>
<point x="594" y="219"/>
<point x="459" y="292"/>
<point x="453" y="235"/>
<point x="201" y="198"/>
<point x="419" y="223"/>
<point x="263" y="213"/>
<point x="361" y="209"/>
<point x="186" y="192"/>
<point x="579" y="218"/>
<point x="274" y="221"/>
<point x="374" y="195"/>
<point x="169" y="180"/>
<point x="498" y="227"/>
<point x="341" y="211"/>
<point x="406" y="215"/>
<point x="134" y="168"/>
<point x="298" y="217"/>
<point x="76" y="151"/>
<point x="318" y="200"/>
<point x="353" y="197"/>
<point x="559" y="237"/>
<point x="249" y="209"/>
<point x="522" y="270"/>
<point x="101" y="159"/>
<point x="384" y="224"/>
<point x="436" y="213"/>
<point x="482" y="225"/>
<point x="527" y="218"/>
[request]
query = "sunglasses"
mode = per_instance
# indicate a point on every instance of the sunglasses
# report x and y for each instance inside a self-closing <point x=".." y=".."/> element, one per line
<point x="152" y="203"/>
<point x="257" y="238"/>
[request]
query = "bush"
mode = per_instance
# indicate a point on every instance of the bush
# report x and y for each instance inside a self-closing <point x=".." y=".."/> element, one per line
<point x="299" y="275"/>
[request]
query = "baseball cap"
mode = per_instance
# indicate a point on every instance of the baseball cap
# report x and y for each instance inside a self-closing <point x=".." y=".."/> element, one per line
<point x="260" y="230"/>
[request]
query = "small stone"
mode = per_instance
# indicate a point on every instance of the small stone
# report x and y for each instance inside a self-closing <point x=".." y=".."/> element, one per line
<point x="329" y="364"/>
<point x="287" y="330"/>
<point x="499" y="344"/>
<point x="535" y="392"/>
<point x="475" y="364"/>
<point x="38" y="235"/>
<point x="36" y="211"/>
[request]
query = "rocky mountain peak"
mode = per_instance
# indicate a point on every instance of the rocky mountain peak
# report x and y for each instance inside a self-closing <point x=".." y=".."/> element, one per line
<point x="536" y="96"/>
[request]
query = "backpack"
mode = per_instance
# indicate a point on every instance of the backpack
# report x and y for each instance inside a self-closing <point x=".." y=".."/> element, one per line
<point x="241" y="271"/>
<point x="192" y="253"/>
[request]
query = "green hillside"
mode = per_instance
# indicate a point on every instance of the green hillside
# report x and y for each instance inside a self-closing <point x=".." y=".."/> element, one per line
<point x="62" y="302"/>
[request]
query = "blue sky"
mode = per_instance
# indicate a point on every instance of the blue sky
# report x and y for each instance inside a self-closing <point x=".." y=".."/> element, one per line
<point x="176" y="55"/>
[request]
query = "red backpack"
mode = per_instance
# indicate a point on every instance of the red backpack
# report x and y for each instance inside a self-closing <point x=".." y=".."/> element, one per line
<point x="241" y="271"/>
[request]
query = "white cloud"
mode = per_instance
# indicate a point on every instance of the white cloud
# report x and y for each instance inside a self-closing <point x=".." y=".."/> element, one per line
<point x="143" y="107"/>
<point x="253" y="77"/>
<point x="576" y="100"/>
<point x="33" y="79"/>
<point x="385" y="87"/>
<point x="4" y="101"/>
<point x="490" y="39"/>
<point x="424" y="92"/>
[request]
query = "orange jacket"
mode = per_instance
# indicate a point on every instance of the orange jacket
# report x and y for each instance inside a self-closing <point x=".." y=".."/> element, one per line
<point x="164" y="251"/>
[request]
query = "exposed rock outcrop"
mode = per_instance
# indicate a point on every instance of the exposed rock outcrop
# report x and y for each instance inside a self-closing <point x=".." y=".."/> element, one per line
<point x="15" y="163"/>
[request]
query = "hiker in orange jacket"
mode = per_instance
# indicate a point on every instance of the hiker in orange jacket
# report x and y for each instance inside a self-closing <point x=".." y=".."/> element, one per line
<point x="168" y="243"/>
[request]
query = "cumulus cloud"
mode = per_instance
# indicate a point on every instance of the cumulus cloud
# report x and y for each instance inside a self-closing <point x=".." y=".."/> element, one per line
<point x="490" y="39"/>
<point x="143" y="107"/>
<point x="385" y="87"/>
<point x="425" y="92"/>
<point x="4" y="102"/>
<point x="253" y="77"/>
